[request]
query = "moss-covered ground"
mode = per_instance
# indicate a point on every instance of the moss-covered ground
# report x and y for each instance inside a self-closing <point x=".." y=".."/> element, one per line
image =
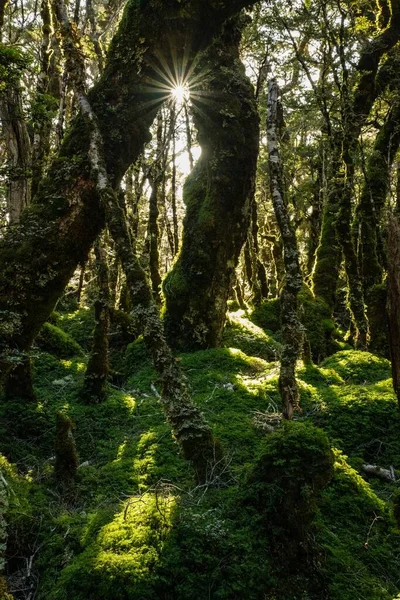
<point x="133" y="526"/>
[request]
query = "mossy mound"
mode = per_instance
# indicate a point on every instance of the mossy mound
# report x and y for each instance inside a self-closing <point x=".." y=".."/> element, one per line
<point x="79" y="325"/>
<point x="57" y="342"/>
<point x="315" y="316"/>
<point x="268" y="315"/>
<point x="358" y="367"/>
<point x="294" y="465"/>
<point x="241" y="333"/>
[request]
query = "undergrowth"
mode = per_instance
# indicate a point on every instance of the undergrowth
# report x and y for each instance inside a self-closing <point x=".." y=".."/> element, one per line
<point x="134" y="526"/>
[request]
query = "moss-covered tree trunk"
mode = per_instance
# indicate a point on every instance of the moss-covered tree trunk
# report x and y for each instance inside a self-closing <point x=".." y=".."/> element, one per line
<point x="38" y="258"/>
<point x="95" y="383"/>
<point x="335" y="233"/>
<point x="217" y="196"/>
<point x="188" y="424"/>
<point x="292" y="330"/>
<point x="393" y="302"/>
<point x="48" y="93"/>
<point x="18" y="148"/>
<point x="373" y="197"/>
<point x="153" y="232"/>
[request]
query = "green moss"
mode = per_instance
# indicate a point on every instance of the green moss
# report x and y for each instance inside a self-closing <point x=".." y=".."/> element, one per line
<point x="79" y="325"/>
<point x="55" y="341"/>
<point x="176" y="542"/>
<point x="241" y="333"/>
<point x="358" y="367"/>
<point x="315" y="316"/>
<point x="293" y="466"/>
<point x="268" y="315"/>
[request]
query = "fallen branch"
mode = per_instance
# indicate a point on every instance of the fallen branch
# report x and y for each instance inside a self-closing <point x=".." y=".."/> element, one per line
<point x="377" y="471"/>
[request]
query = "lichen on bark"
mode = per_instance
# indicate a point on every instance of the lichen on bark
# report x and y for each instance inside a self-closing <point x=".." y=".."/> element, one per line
<point x="217" y="196"/>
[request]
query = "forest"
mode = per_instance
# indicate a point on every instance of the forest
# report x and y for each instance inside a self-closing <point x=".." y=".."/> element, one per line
<point x="199" y="299"/>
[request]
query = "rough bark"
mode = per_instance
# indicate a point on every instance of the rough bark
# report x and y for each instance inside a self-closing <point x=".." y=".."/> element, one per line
<point x="373" y="197"/>
<point x="335" y="233"/>
<point x="97" y="371"/>
<point x="217" y="196"/>
<point x="47" y="95"/>
<point x="393" y="302"/>
<point x="38" y="258"/>
<point x="153" y="232"/>
<point x="66" y="464"/>
<point x="292" y="330"/>
<point x="190" y="429"/>
<point x="18" y="148"/>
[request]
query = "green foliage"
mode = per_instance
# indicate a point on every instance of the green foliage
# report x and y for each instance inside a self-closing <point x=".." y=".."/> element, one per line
<point x="55" y="341"/>
<point x="12" y="63"/>
<point x="44" y="108"/>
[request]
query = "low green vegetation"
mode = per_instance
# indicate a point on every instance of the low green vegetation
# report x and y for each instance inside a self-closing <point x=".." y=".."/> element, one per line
<point x="297" y="520"/>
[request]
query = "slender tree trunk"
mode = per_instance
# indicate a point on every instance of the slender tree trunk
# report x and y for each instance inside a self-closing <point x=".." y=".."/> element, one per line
<point x="153" y="232"/>
<point x="291" y="327"/>
<point x="217" y="196"/>
<point x="173" y="182"/>
<point x="47" y="95"/>
<point x="18" y="147"/>
<point x="373" y="197"/>
<point x="95" y="384"/>
<point x="39" y="258"/>
<point x="393" y="305"/>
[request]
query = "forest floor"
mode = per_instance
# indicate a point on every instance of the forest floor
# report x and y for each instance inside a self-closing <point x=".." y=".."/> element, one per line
<point x="134" y="525"/>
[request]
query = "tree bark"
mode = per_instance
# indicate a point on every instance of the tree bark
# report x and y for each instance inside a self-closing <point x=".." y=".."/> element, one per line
<point x="335" y="233"/>
<point x="18" y="148"/>
<point x="393" y="304"/>
<point x="97" y="371"/>
<point x="188" y="424"/>
<point x="292" y="330"/>
<point x="217" y="196"/>
<point x="38" y="258"/>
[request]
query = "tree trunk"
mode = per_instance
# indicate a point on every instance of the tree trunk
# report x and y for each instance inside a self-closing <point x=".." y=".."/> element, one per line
<point x="335" y="233"/>
<point x="393" y="305"/>
<point x="18" y="148"/>
<point x="188" y="424"/>
<point x="95" y="384"/>
<point x="292" y="331"/>
<point x="217" y="195"/>
<point x="373" y="197"/>
<point x="38" y="258"/>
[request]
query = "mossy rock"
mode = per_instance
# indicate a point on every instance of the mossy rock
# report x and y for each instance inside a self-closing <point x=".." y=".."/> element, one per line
<point x="55" y="341"/>
<point x="357" y="367"/>
<point x="241" y="333"/>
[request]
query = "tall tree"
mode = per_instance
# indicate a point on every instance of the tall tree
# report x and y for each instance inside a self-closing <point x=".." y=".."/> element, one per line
<point x="217" y="195"/>
<point x="36" y="262"/>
